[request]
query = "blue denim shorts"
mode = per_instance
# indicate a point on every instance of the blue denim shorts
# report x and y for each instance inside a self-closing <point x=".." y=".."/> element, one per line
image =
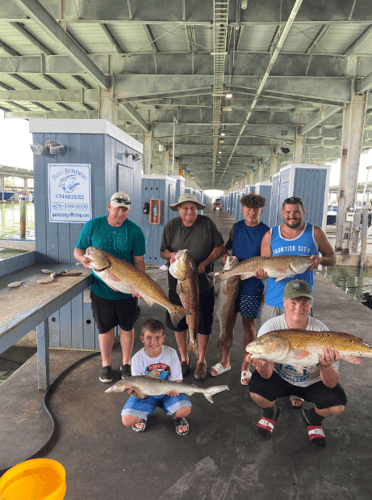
<point x="142" y="408"/>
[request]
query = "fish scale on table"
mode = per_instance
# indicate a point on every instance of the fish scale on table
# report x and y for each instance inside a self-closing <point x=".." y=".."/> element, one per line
<point x="301" y="348"/>
<point x="126" y="278"/>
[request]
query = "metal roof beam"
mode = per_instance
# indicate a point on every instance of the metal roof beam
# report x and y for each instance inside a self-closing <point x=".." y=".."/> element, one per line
<point x="321" y="116"/>
<point x="42" y="17"/>
<point x="19" y="27"/>
<point x="323" y="30"/>
<point x="365" y="84"/>
<point x="112" y="39"/>
<point x="358" y="41"/>
<point x="137" y="117"/>
<point x="148" y="32"/>
<point x="8" y="49"/>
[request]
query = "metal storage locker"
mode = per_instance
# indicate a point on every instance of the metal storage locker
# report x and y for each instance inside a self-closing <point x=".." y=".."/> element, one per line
<point x="310" y="183"/>
<point x="163" y="188"/>
<point x="264" y="189"/>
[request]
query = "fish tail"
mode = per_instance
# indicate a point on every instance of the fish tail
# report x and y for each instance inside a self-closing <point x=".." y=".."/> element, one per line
<point x="193" y="347"/>
<point x="176" y="313"/>
<point x="224" y="342"/>
<point x="208" y="393"/>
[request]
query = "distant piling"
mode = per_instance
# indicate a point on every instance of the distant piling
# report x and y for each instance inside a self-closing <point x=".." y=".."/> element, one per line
<point x="22" y="218"/>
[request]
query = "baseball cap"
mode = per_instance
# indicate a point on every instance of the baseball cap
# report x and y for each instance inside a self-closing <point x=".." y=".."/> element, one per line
<point x="120" y="199"/>
<point x="186" y="197"/>
<point x="297" y="288"/>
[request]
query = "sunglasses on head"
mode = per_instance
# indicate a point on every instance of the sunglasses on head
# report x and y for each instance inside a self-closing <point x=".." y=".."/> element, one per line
<point x="292" y="200"/>
<point x="122" y="200"/>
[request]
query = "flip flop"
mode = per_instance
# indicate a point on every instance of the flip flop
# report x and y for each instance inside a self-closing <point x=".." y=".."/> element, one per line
<point x="266" y="426"/>
<point x="295" y="398"/>
<point x="181" y="422"/>
<point x="219" y="369"/>
<point x="137" y="429"/>
<point x="245" y="374"/>
<point x="315" y="432"/>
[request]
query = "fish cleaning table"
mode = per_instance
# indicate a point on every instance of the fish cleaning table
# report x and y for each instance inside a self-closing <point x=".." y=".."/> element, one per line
<point x="25" y="307"/>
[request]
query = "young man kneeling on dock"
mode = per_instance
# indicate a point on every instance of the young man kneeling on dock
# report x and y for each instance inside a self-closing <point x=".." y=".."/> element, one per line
<point x="317" y="384"/>
<point x="156" y="356"/>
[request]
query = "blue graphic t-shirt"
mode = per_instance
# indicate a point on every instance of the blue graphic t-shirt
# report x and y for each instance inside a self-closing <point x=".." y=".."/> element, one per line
<point x="304" y="244"/>
<point x="246" y="244"/>
<point x="123" y="242"/>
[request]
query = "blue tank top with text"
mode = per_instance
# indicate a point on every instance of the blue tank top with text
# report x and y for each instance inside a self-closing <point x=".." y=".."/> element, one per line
<point x="304" y="244"/>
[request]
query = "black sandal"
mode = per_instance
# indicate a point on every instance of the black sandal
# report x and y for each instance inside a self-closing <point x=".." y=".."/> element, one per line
<point x="140" y="429"/>
<point x="265" y="426"/>
<point x="181" y="422"/>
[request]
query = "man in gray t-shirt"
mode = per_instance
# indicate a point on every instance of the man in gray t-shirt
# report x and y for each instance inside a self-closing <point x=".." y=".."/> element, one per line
<point x="200" y="236"/>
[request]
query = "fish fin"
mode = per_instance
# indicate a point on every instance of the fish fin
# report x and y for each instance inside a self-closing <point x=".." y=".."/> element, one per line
<point x="176" y="313"/>
<point x="112" y="277"/>
<point x="152" y="374"/>
<point x="299" y="353"/>
<point x="279" y="278"/>
<point x="245" y="276"/>
<point x="351" y="359"/>
<point x="149" y="302"/>
<point x="208" y="393"/>
<point x="139" y="393"/>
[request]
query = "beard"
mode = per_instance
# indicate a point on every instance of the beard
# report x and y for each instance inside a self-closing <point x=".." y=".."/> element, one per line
<point x="294" y="225"/>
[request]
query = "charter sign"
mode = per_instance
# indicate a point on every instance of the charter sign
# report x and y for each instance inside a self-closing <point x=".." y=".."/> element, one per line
<point x="69" y="192"/>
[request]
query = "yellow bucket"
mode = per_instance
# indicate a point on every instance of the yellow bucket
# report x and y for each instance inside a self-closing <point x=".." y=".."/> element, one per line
<point x="39" y="479"/>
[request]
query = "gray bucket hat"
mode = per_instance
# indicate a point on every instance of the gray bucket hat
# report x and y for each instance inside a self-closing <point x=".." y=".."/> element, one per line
<point x="186" y="197"/>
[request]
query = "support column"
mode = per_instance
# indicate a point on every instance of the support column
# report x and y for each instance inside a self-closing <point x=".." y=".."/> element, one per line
<point x="147" y="153"/>
<point x="166" y="158"/>
<point x="260" y="172"/>
<point x="342" y="184"/>
<point x="299" y="148"/>
<point x="187" y="179"/>
<point x="352" y="142"/>
<point x="274" y="164"/>
<point x="107" y="106"/>
<point x="2" y="184"/>
<point x="246" y="180"/>
<point x="251" y="178"/>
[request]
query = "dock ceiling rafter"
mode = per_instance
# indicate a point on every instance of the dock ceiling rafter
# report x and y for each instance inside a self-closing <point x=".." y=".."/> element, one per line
<point x="291" y="66"/>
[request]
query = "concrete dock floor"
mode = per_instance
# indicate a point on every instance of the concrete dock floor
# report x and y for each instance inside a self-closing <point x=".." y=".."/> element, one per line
<point x="223" y="457"/>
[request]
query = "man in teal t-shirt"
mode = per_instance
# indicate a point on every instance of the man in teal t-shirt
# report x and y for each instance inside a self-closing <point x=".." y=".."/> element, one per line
<point x="122" y="238"/>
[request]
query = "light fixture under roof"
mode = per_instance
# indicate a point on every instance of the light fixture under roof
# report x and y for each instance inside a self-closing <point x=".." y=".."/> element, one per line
<point x="227" y="108"/>
<point x="222" y="134"/>
<point x="228" y="95"/>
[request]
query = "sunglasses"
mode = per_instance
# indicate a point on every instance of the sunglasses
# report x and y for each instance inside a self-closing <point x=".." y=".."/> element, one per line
<point x="122" y="200"/>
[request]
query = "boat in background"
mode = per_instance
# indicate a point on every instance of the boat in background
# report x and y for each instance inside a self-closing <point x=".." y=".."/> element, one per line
<point x="6" y="195"/>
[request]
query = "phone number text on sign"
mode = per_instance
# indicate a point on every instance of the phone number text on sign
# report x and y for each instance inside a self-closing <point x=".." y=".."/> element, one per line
<point x="69" y="206"/>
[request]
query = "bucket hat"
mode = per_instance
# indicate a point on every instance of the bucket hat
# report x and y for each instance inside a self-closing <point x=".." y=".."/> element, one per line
<point x="186" y="197"/>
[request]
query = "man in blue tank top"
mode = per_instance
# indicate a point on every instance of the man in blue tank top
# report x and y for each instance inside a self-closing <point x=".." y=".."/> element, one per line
<point x="122" y="238"/>
<point x="245" y="241"/>
<point x="294" y="237"/>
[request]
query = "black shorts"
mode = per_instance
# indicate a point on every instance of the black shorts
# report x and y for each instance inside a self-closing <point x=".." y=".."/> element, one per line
<point x="276" y="387"/>
<point x="206" y="306"/>
<point x="110" y="313"/>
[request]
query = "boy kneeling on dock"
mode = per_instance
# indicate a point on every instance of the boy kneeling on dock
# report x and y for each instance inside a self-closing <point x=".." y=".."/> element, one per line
<point x="164" y="359"/>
